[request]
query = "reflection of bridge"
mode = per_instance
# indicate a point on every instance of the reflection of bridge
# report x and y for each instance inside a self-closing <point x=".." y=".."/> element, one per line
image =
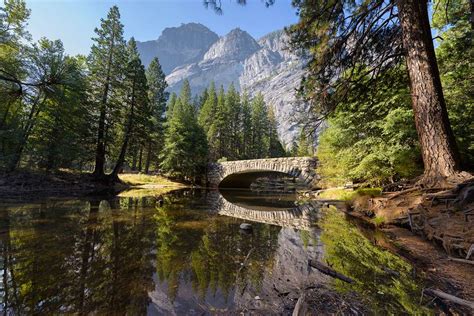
<point x="241" y="173"/>
<point x="300" y="217"/>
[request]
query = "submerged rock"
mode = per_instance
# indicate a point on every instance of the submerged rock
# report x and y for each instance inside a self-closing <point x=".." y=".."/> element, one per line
<point x="245" y="226"/>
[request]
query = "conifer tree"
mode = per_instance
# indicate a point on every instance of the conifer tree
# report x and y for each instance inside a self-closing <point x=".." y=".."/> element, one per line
<point x="185" y="151"/>
<point x="246" y="127"/>
<point x="304" y="145"/>
<point x="259" y="127"/>
<point x="275" y="148"/>
<point x="136" y="100"/>
<point x="232" y="105"/>
<point x="157" y="101"/>
<point x="208" y="109"/>
<point x="218" y="134"/>
<point x="170" y="106"/>
<point x="106" y="64"/>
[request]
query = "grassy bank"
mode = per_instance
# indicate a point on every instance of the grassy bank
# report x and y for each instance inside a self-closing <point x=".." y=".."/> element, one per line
<point x="138" y="179"/>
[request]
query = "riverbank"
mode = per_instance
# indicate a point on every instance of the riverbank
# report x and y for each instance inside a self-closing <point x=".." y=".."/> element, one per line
<point x="28" y="185"/>
<point x="433" y="230"/>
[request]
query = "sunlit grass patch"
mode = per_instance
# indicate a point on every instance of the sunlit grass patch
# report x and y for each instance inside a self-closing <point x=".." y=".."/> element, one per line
<point x="139" y="193"/>
<point x="141" y="179"/>
<point x="349" y="195"/>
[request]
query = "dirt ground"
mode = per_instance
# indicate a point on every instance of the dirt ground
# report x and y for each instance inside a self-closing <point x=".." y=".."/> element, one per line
<point x="432" y="229"/>
<point x="26" y="185"/>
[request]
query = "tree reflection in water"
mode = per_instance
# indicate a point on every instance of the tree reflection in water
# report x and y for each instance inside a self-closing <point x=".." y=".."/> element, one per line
<point x="132" y="256"/>
<point x="77" y="257"/>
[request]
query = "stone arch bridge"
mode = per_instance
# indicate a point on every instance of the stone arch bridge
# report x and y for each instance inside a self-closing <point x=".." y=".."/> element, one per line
<point x="241" y="173"/>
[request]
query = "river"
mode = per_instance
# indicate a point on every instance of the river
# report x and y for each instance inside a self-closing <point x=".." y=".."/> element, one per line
<point x="184" y="253"/>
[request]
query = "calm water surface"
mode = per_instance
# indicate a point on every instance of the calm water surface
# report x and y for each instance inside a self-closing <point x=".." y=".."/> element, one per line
<point x="187" y="256"/>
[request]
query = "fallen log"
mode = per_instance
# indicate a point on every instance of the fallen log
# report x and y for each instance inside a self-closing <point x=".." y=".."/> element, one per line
<point x="461" y="260"/>
<point x="402" y="192"/>
<point x="329" y="271"/>
<point x="449" y="297"/>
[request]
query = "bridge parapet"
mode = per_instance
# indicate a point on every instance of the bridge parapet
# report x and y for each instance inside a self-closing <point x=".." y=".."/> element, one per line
<point x="301" y="168"/>
<point x="303" y="217"/>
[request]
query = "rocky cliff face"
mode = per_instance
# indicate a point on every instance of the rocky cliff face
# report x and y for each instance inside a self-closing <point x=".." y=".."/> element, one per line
<point x="193" y="52"/>
<point x="178" y="46"/>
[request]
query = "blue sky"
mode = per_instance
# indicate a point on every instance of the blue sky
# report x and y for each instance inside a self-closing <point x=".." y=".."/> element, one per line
<point x="73" y="21"/>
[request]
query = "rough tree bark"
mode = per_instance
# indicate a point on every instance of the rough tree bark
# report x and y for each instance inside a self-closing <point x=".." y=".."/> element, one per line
<point x="438" y="146"/>
<point x="99" y="172"/>
<point x="128" y="132"/>
<point x="148" y="157"/>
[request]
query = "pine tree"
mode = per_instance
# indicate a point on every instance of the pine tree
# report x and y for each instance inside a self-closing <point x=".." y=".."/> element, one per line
<point x="218" y="134"/>
<point x="275" y="148"/>
<point x="185" y="95"/>
<point x="232" y="105"/>
<point x="185" y="151"/>
<point x="304" y="145"/>
<point x="208" y="109"/>
<point x="106" y="64"/>
<point x="260" y="143"/>
<point x="157" y="102"/>
<point x="246" y="127"/>
<point x="63" y="136"/>
<point x="135" y="87"/>
<point x="170" y="107"/>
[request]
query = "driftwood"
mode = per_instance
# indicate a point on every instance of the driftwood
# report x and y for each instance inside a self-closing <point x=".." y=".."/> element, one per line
<point x="403" y="192"/>
<point x="328" y="271"/>
<point x="469" y="252"/>
<point x="461" y="260"/>
<point x="301" y="307"/>
<point x="449" y="297"/>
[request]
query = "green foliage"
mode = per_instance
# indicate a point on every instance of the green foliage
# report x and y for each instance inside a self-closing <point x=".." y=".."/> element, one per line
<point x="157" y="107"/>
<point x="456" y="72"/>
<point x="449" y="12"/>
<point x="372" y="139"/>
<point x="259" y="127"/>
<point x="185" y="149"/>
<point x="238" y="127"/>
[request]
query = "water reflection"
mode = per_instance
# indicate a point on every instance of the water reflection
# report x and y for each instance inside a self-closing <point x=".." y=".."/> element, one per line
<point x="132" y="255"/>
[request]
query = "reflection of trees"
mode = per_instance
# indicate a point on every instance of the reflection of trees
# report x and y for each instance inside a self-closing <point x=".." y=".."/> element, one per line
<point x="383" y="278"/>
<point x="208" y="250"/>
<point x="77" y="257"/>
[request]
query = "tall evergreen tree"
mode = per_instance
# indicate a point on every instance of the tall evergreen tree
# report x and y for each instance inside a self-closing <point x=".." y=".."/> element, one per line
<point x="136" y="99"/>
<point x="275" y="148"/>
<point x="346" y="39"/>
<point x="157" y="98"/>
<point x="233" y="108"/>
<point x="208" y="109"/>
<point x="218" y="134"/>
<point x="185" y="151"/>
<point x="259" y="127"/>
<point x="106" y="63"/>
<point x="170" y="106"/>
<point x="246" y="127"/>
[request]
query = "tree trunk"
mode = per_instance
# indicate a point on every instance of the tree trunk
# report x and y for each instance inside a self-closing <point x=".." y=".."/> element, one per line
<point x="100" y="149"/>
<point x="99" y="172"/>
<point x="140" y="159"/>
<point x="134" y="159"/>
<point x="148" y="158"/>
<point x="128" y="131"/>
<point x="29" y="124"/>
<point x="438" y="146"/>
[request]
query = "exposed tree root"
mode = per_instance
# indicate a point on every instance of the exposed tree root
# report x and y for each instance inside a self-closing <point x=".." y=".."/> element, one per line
<point x="438" y="182"/>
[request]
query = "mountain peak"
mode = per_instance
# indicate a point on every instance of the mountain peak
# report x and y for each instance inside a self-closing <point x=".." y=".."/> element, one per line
<point x="235" y="45"/>
<point x="178" y="45"/>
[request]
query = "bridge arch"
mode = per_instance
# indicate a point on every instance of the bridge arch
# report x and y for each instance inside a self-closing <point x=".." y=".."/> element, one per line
<point x="241" y="173"/>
